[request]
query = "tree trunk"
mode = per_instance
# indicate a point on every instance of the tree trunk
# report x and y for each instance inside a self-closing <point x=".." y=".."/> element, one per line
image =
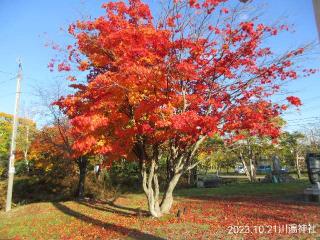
<point x="252" y="171"/>
<point x="248" y="173"/>
<point x="169" y="170"/>
<point x="298" y="165"/>
<point x="82" y="164"/>
<point x="151" y="187"/>
<point x="149" y="173"/>
<point x="167" y="199"/>
<point x="194" y="177"/>
<point x="140" y="175"/>
<point x="25" y="153"/>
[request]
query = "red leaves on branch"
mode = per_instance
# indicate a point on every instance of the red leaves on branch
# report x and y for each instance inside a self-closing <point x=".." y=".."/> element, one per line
<point x="192" y="2"/>
<point x="294" y="101"/>
<point x="146" y="81"/>
<point x="63" y="67"/>
<point x="224" y="10"/>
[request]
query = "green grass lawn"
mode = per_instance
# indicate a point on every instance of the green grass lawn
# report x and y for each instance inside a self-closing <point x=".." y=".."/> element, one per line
<point x="293" y="189"/>
<point x="209" y="214"/>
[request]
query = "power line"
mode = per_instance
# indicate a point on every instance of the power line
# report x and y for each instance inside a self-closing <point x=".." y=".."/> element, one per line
<point x="4" y="81"/>
<point x="296" y="119"/>
<point x="308" y="99"/>
<point x="9" y="73"/>
<point x="12" y="93"/>
<point x="6" y="95"/>
<point x="301" y="120"/>
<point x="303" y="124"/>
<point x="24" y="76"/>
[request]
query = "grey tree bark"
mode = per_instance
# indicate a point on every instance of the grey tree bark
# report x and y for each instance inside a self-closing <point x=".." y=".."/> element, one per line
<point x="246" y="168"/>
<point x="149" y="172"/>
<point x="297" y="165"/>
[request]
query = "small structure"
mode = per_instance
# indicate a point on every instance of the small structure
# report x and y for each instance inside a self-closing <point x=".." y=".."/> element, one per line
<point x="277" y="175"/>
<point x="200" y="183"/>
<point x="313" y="164"/>
<point x="208" y="182"/>
<point x="276" y="165"/>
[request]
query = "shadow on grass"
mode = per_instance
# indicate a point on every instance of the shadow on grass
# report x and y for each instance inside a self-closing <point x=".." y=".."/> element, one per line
<point x="133" y="233"/>
<point x="117" y="209"/>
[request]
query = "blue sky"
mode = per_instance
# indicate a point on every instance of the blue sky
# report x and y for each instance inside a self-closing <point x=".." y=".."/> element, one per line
<point x="27" y="25"/>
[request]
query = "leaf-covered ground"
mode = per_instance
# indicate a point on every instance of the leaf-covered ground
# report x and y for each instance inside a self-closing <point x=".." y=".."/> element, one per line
<point x="205" y="214"/>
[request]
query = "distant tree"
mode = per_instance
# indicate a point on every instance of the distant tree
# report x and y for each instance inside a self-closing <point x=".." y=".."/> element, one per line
<point x="26" y="132"/>
<point x="52" y="152"/>
<point x="215" y="154"/>
<point x="312" y="138"/>
<point x="250" y="150"/>
<point x="5" y="133"/>
<point x="292" y="148"/>
<point x="58" y="136"/>
<point x="48" y="150"/>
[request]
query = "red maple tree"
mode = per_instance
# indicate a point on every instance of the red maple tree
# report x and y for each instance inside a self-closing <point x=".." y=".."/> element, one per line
<point x="162" y="87"/>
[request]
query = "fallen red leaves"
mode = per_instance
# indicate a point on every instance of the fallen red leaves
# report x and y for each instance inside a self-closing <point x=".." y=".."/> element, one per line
<point x="220" y="214"/>
<point x="206" y="218"/>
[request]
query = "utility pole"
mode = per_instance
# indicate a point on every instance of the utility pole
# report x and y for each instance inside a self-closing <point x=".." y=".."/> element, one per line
<point x="11" y="169"/>
<point x="316" y="8"/>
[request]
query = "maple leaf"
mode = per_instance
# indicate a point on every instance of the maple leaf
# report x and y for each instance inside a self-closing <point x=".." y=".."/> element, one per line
<point x="294" y="101"/>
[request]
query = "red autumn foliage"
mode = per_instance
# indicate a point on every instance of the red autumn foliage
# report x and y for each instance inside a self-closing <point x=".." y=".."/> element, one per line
<point x="151" y="84"/>
<point x="139" y="79"/>
<point x="294" y="100"/>
<point x="50" y="147"/>
<point x="63" y="67"/>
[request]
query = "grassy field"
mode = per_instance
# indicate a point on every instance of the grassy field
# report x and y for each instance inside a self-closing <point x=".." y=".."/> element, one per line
<point x="208" y="214"/>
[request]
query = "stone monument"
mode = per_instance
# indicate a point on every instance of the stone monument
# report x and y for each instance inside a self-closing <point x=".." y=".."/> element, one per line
<point x="313" y="164"/>
<point x="276" y="169"/>
<point x="276" y="164"/>
<point x="277" y="175"/>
